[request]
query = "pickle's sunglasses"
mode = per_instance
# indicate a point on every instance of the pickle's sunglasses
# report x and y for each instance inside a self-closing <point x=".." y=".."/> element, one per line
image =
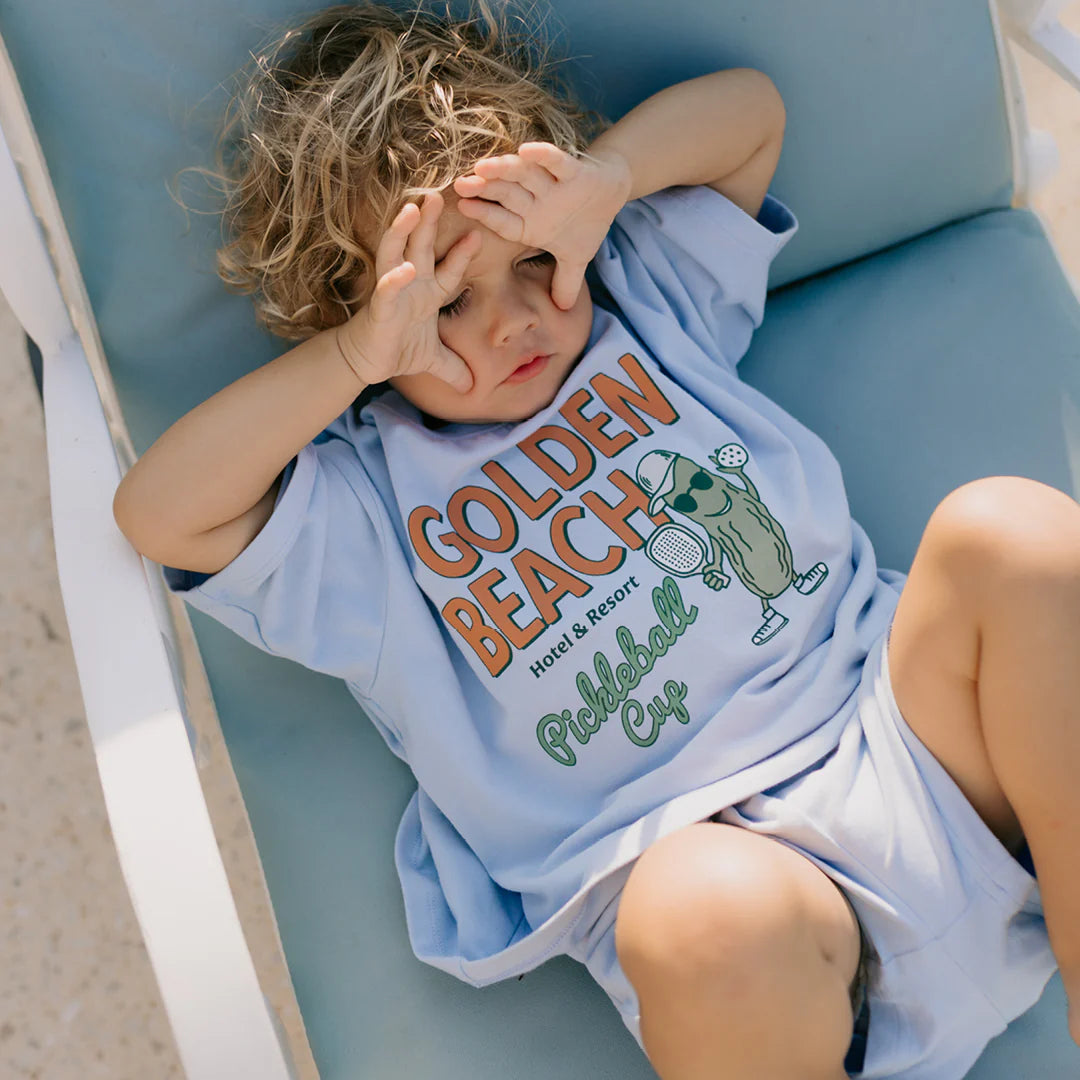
<point x="684" y="502"/>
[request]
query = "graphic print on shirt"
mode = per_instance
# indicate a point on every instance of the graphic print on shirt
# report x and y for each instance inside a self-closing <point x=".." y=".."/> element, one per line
<point x="484" y="620"/>
<point x="516" y="557"/>
<point x="738" y="525"/>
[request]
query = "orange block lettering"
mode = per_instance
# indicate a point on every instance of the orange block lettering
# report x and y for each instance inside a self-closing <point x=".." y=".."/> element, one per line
<point x="592" y="427"/>
<point x="534" y="508"/>
<point x="532" y="566"/>
<point x="574" y="559"/>
<point x="500" y="610"/>
<point x="650" y="398"/>
<point x="488" y="644"/>
<point x="470" y="557"/>
<point x="504" y="518"/>
<point x="614" y="517"/>
<point x="583" y="456"/>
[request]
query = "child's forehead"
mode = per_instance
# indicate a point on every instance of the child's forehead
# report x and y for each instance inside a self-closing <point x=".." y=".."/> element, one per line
<point x="453" y="226"/>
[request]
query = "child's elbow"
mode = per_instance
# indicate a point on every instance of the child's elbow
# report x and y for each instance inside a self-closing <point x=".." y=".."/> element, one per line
<point x="760" y="104"/>
<point x="772" y="104"/>
<point x="124" y="514"/>
<point x="132" y="517"/>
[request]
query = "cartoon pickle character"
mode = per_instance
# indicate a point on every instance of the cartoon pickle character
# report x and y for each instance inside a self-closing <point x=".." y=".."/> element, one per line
<point x="738" y="525"/>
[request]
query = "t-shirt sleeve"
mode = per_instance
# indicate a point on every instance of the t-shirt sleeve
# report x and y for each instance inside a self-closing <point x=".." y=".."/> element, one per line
<point x="691" y="254"/>
<point x="311" y="586"/>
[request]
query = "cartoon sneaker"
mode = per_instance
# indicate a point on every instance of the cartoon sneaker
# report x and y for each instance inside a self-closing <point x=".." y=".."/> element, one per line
<point x="808" y="582"/>
<point x="773" y="624"/>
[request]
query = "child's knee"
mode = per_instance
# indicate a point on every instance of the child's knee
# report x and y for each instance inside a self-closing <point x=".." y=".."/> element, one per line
<point x="718" y="903"/>
<point x="727" y="938"/>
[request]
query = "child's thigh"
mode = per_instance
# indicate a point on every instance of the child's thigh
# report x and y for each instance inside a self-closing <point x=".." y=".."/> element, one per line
<point x="933" y="647"/>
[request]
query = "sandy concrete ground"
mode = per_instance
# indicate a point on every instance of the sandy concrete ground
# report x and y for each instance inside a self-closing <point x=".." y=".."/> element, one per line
<point x="78" y="998"/>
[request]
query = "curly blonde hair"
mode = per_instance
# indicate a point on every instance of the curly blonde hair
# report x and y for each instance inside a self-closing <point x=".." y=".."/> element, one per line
<point x="350" y="114"/>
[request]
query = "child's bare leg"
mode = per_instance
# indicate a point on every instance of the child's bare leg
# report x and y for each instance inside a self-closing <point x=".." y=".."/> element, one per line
<point x="998" y="592"/>
<point x="1029" y="702"/>
<point x="742" y="953"/>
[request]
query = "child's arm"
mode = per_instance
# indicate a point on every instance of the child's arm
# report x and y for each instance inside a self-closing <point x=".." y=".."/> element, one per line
<point x="205" y="489"/>
<point x="207" y="486"/>
<point x="724" y="130"/>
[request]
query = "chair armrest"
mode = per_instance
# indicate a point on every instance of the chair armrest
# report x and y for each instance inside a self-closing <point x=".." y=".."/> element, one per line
<point x="167" y="851"/>
<point x="158" y="815"/>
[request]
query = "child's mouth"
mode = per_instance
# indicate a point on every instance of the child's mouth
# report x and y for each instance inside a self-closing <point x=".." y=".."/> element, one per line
<point x="528" y="369"/>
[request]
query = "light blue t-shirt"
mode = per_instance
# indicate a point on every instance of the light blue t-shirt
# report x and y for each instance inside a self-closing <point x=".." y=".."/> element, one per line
<point x="590" y="628"/>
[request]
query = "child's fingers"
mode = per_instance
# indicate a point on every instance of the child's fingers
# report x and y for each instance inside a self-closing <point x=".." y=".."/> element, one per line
<point x="393" y="281"/>
<point x="497" y="218"/>
<point x="391" y="248"/>
<point x="382" y="306"/>
<point x="452" y="369"/>
<point x="510" y="167"/>
<point x="557" y="162"/>
<point x="566" y="284"/>
<point x="420" y="247"/>
<point x="513" y="196"/>
<point x="451" y="267"/>
<point x="469" y="186"/>
<point x="387" y="289"/>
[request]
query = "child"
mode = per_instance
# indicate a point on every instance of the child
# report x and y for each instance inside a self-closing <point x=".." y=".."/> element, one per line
<point x="654" y="726"/>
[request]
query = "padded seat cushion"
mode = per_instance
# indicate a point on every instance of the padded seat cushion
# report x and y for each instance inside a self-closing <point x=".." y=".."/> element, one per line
<point x="950" y="357"/>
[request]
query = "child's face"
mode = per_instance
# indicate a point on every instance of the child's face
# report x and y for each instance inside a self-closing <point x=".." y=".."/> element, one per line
<point x="501" y="320"/>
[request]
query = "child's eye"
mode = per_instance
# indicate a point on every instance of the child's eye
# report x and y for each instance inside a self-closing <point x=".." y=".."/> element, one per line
<point x="455" y="305"/>
<point x="544" y="258"/>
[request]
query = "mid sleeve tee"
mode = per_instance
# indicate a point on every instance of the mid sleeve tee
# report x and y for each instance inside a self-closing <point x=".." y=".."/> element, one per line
<point x="590" y="628"/>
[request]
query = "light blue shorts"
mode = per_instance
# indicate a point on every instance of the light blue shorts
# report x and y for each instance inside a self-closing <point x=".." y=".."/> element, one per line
<point x="956" y="922"/>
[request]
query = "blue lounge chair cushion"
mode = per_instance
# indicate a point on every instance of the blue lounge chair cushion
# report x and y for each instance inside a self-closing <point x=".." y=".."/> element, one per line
<point x="879" y="358"/>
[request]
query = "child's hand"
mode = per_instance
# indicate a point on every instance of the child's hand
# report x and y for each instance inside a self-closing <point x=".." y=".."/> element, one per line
<point x="543" y="197"/>
<point x="396" y="332"/>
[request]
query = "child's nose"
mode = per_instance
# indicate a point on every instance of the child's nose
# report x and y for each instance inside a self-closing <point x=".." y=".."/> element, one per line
<point x="513" y="316"/>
